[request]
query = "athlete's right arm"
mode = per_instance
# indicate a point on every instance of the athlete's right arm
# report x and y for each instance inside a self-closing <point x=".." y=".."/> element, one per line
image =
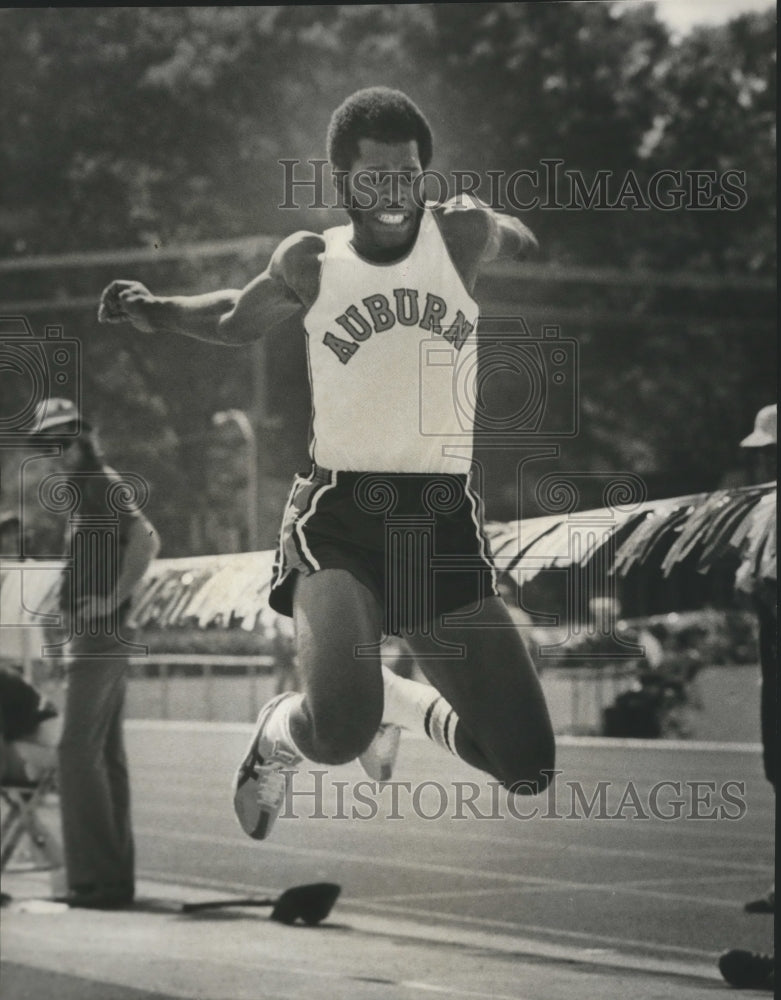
<point x="231" y="316"/>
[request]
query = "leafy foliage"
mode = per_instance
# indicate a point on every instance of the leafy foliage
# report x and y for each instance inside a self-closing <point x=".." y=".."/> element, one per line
<point x="148" y="127"/>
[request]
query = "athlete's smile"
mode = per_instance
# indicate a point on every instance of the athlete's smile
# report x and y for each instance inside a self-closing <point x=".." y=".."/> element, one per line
<point x="392" y="218"/>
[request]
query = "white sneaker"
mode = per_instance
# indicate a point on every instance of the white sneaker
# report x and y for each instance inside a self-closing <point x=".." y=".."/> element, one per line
<point x="260" y="783"/>
<point x="379" y="758"/>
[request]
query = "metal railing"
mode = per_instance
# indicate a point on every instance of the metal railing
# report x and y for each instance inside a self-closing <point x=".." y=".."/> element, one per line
<point x="168" y="667"/>
<point x="206" y="686"/>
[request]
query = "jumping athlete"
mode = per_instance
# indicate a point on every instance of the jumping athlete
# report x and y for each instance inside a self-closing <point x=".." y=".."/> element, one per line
<point x="384" y="535"/>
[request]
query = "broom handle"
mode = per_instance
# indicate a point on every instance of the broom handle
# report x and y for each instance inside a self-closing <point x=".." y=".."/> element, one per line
<point x="214" y="904"/>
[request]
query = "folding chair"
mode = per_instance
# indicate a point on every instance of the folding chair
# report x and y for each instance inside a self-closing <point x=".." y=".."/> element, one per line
<point x="23" y="828"/>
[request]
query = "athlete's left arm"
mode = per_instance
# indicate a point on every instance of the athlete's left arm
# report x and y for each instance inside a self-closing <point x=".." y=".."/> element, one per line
<point x="475" y="233"/>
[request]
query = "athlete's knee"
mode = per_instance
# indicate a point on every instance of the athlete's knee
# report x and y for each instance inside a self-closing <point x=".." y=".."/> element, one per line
<point x="334" y="749"/>
<point x="533" y="785"/>
<point x="342" y="742"/>
<point x="534" y="774"/>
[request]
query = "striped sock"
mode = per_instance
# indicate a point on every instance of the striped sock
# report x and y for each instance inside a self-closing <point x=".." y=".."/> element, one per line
<point x="440" y="724"/>
<point x="417" y="706"/>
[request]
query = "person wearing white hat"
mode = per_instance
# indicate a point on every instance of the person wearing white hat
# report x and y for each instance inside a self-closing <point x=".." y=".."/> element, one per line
<point x="765" y="428"/>
<point x="741" y="968"/>
<point x="762" y="443"/>
<point x="57" y="413"/>
<point x="94" y="601"/>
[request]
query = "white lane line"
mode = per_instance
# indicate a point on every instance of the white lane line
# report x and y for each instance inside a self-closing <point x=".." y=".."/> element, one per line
<point x="614" y="942"/>
<point x="439" y="831"/>
<point x="597" y="742"/>
<point x="187" y="726"/>
<point x="611" y="743"/>
<point x="569" y="847"/>
<point x="548" y="886"/>
<point x="396" y="863"/>
<point x="255" y="889"/>
<point x="537" y="883"/>
<point x="447" y="894"/>
<point x="452" y="992"/>
<point x="685" y="880"/>
<point x="643" y="888"/>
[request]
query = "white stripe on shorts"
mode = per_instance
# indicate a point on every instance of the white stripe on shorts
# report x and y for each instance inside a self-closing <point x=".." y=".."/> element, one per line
<point x="305" y="517"/>
<point x="475" y="502"/>
<point x="279" y="567"/>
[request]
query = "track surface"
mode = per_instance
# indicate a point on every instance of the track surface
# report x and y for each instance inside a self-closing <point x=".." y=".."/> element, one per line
<point x="612" y="883"/>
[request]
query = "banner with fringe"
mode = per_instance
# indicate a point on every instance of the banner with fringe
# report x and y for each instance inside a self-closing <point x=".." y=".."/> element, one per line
<point x="231" y="591"/>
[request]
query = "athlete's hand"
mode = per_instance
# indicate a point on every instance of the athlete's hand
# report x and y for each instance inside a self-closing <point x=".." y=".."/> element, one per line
<point x="127" y="301"/>
<point x="508" y="238"/>
<point x="525" y="242"/>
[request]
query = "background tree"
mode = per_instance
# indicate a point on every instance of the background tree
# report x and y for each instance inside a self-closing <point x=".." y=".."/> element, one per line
<point x="155" y="127"/>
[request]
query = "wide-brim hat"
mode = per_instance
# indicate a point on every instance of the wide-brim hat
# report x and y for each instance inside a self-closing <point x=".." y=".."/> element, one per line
<point x="54" y="415"/>
<point x="765" y="431"/>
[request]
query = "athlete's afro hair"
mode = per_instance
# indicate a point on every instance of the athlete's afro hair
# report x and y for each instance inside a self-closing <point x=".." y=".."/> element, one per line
<point x="377" y="113"/>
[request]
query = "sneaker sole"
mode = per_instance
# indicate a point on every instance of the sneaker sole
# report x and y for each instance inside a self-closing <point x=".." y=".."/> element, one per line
<point x="259" y="830"/>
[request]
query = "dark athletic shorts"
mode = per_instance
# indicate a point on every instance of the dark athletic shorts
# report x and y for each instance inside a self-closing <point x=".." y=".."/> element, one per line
<point x="416" y="541"/>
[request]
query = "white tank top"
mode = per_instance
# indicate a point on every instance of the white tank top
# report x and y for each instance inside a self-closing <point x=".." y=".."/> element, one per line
<point x="392" y="354"/>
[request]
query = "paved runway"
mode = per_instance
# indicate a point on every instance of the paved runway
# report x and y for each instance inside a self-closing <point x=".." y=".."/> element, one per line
<point x="635" y="872"/>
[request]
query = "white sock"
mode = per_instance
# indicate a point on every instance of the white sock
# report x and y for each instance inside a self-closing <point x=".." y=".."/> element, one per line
<point x="417" y="706"/>
<point x="277" y="727"/>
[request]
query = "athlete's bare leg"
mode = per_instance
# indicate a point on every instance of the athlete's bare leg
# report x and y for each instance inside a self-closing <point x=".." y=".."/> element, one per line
<point x="504" y="726"/>
<point x="341" y="710"/>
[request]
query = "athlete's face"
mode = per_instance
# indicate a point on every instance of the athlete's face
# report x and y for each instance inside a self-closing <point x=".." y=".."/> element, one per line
<point x="381" y="191"/>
